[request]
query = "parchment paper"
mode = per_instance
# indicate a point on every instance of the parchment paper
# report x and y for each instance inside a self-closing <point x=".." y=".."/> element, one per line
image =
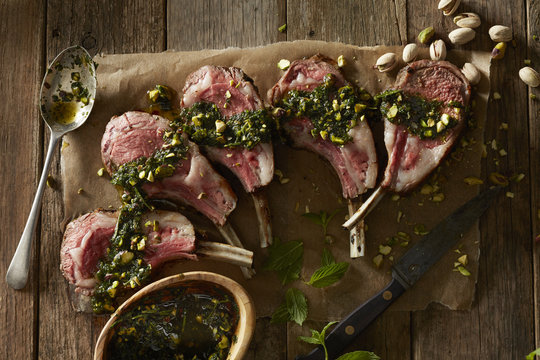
<point x="123" y="81"/>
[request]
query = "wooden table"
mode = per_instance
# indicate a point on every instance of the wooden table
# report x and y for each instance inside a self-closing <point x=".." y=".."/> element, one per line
<point x="37" y="322"/>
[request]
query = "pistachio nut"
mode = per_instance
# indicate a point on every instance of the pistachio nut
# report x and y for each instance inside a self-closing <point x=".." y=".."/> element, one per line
<point x="529" y="76"/>
<point x="410" y="52"/>
<point x="461" y="36"/>
<point x="498" y="51"/>
<point x="499" y="33"/>
<point x="426" y="35"/>
<point x="386" y="62"/>
<point x="471" y="73"/>
<point x="467" y="20"/>
<point x="448" y="7"/>
<point x="437" y="50"/>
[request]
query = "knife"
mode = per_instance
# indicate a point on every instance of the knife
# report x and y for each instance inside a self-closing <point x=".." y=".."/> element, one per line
<point x="405" y="273"/>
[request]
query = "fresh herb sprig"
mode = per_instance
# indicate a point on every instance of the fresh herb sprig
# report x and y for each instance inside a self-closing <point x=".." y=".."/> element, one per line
<point x="321" y="218"/>
<point x="532" y="355"/>
<point x="329" y="273"/>
<point x="294" y="308"/>
<point x="286" y="259"/>
<point x="318" y="338"/>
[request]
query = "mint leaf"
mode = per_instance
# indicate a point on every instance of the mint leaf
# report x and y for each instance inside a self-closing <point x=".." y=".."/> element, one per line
<point x="328" y="275"/>
<point x="359" y="355"/>
<point x="316" y="218"/>
<point x="286" y="259"/>
<point x="323" y="331"/>
<point x="532" y="355"/>
<point x="281" y="315"/>
<point x="322" y="218"/>
<point x="327" y="257"/>
<point x="296" y="305"/>
<point x="310" y="340"/>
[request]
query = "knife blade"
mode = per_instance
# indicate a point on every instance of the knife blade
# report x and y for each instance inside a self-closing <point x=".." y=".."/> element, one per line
<point x="405" y="273"/>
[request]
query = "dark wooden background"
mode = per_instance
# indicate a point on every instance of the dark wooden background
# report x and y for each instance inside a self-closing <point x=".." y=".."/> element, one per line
<point x="37" y="322"/>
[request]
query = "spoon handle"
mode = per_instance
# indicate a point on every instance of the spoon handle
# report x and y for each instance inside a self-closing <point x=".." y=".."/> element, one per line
<point x="17" y="273"/>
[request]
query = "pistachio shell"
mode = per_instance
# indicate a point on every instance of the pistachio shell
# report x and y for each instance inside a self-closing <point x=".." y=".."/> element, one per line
<point x="471" y="73"/>
<point x="410" y="52"/>
<point x="448" y="7"/>
<point x="386" y="62"/>
<point x="467" y="20"/>
<point x="529" y="76"/>
<point x="437" y="50"/>
<point x="461" y="36"/>
<point x="500" y="33"/>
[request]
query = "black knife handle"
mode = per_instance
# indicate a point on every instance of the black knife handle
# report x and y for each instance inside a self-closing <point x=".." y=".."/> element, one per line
<point x="349" y="328"/>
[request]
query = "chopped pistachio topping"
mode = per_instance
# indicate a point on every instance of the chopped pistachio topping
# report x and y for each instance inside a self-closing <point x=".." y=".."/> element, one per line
<point x="472" y="180"/>
<point x="283" y="64"/>
<point x="377" y="260"/>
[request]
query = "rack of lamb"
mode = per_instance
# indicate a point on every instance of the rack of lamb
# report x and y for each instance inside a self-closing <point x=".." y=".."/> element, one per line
<point x="423" y="114"/>
<point x="98" y="248"/>
<point x="224" y="114"/>
<point x="320" y="111"/>
<point x="143" y="153"/>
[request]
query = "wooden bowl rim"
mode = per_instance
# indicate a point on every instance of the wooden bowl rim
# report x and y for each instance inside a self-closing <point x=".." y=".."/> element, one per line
<point x="246" y="308"/>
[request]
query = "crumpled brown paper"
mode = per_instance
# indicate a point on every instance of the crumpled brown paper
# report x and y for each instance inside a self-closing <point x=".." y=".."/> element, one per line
<point x="122" y="84"/>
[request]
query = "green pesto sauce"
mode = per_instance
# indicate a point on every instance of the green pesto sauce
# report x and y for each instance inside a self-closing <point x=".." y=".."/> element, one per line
<point x="333" y="111"/>
<point x="194" y="321"/>
<point x="421" y="117"/>
<point x="123" y="266"/>
<point x="205" y="125"/>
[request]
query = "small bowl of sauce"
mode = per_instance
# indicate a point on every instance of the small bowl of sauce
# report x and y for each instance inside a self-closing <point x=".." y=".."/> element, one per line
<point x="194" y="315"/>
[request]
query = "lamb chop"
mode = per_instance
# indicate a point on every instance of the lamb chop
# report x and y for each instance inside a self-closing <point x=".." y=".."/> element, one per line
<point x="224" y="114"/>
<point x="424" y="115"/>
<point x="166" y="236"/>
<point x="323" y="113"/>
<point x="178" y="171"/>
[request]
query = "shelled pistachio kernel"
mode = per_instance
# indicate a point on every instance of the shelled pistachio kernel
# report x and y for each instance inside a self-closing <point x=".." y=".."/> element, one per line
<point x="425" y="35"/>
<point x="498" y="51"/>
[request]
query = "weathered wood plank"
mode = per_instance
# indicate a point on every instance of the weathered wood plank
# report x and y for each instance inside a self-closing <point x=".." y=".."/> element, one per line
<point x="351" y="22"/>
<point x="103" y="26"/>
<point x="20" y="135"/>
<point x="210" y="24"/>
<point x="500" y="324"/>
<point x="359" y="23"/>
<point x="533" y="53"/>
<point x="214" y="24"/>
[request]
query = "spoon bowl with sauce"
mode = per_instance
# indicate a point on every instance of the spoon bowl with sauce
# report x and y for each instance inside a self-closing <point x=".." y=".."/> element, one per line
<point x="67" y="96"/>
<point x="200" y="315"/>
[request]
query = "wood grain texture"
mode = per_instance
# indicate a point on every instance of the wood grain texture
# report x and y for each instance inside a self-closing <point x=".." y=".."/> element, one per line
<point x="218" y="24"/>
<point x="352" y="22"/>
<point x="504" y="322"/>
<point x="102" y="26"/>
<point x="360" y="23"/>
<point x="533" y="53"/>
<point x="388" y="337"/>
<point x="20" y="137"/>
<point x="503" y="309"/>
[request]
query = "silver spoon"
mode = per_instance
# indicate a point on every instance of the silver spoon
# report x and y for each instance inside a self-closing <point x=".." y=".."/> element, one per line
<point x="67" y="96"/>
